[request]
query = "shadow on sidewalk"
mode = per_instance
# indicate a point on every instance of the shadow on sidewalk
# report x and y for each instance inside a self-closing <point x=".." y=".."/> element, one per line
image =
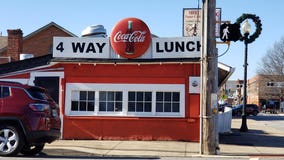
<point x="251" y="138"/>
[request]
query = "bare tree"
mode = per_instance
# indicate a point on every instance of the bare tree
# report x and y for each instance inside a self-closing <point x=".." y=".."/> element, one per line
<point x="273" y="61"/>
<point x="271" y="69"/>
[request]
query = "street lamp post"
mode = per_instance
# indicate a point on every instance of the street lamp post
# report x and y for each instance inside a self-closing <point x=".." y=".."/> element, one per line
<point x="246" y="27"/>
<point x="247" y="38"/>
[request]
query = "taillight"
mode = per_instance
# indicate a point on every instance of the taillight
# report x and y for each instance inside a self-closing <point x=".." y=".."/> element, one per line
<point x="39" y="107"/>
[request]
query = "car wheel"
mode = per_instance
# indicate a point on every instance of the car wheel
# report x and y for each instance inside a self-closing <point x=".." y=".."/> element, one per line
<point x="31" y="150"/>
<point x="254" y="113"/>
<point x="11" y="140"/>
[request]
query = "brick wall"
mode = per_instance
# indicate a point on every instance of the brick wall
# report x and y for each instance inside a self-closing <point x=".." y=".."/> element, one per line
<point x="38" y="43"/>
<point x="41" y="43"/>
<point x="15" y="43"/>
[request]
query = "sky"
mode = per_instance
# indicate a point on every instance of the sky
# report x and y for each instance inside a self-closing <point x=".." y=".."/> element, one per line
<point x="163" y="17"/>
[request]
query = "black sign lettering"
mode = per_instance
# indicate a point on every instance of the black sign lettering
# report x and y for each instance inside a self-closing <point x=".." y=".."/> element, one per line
<point x="158" y="50"/>
<point x="198" y="45"/>
<point x="78" y="46"/>
<point x="101" y="46"/>
<point x="91" y="48"/>
<point x="179" y="47"/>
<point x="188" y="46"/>
<point x="169" y="48"/>
<point x="87" y="47"/>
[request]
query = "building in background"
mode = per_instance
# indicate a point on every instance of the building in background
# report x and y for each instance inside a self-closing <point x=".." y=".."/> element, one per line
<point x="266" y="90"/>
<point x="263" y="90"/>
<point x="15" y="47"/>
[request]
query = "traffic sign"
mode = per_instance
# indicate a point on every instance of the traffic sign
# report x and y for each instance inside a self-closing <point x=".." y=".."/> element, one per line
<point x="230" y="32"/>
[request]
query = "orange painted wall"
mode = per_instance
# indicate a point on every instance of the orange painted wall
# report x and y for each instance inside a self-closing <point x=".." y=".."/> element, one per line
<point x="134" y="128"/>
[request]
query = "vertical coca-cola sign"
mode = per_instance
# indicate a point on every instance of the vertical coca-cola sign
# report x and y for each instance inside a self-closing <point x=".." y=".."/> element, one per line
<point x="130" y="38"/>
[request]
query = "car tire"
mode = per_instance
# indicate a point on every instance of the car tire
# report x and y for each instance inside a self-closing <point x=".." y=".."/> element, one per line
<point x="11" y="140"/>
<point x="31" y="150"/>
<point x="254" y="113"/>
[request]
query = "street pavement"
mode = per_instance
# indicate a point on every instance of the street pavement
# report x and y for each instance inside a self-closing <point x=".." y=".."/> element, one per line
<point x="262" y="140"/>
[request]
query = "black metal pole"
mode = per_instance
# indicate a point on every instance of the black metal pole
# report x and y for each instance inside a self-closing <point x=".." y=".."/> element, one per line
<point x="244" y="127"/>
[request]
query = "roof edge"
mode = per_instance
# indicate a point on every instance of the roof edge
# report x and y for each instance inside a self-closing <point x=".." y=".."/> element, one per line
<point x="48" y="25"/>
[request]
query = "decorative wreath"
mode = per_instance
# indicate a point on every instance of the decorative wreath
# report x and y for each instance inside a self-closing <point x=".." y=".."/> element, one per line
<point x="258" y="26"/>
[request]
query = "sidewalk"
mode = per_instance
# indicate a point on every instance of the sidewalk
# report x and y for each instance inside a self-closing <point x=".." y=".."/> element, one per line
<point x="260" y="140"/>
<point x="128" y="148"/>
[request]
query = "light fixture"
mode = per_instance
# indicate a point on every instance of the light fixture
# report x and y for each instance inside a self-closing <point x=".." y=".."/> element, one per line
<point x="246" y="27"/>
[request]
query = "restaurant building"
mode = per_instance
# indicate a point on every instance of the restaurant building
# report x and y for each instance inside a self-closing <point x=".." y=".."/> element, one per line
<point x="129" y="86"/>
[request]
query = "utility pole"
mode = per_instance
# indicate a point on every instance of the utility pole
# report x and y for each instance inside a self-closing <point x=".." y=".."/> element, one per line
<point x="208" y="141"/>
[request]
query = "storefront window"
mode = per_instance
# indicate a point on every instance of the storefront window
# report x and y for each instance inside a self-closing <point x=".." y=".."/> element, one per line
<point x="140" y="101"/>
<point x="83" y="101"/>
<point x="110" y="101"/>
<point x="167" y="102"/>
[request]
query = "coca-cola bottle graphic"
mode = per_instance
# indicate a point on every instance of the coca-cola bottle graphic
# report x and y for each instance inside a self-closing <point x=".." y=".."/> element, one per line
<point x="129" y="48"/>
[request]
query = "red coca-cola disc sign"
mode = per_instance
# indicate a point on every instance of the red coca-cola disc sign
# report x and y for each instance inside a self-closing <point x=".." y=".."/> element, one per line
<point x="130" y="38"/>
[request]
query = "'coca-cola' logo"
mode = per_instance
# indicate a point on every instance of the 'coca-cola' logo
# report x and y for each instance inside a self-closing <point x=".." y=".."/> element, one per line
<point x="130" y="38"/>
<point x="136" y="36"/>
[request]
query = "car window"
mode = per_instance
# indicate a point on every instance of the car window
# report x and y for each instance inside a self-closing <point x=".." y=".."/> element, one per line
<point x="4" y="92"/>
<point x="38" y="93"/>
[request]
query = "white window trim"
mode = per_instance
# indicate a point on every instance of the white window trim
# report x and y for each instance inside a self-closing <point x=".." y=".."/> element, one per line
<point x="125" y="88"/>
<point x="45" y="74"/>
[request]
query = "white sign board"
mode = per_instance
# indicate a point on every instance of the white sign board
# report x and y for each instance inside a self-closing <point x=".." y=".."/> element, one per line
<point x="192" y="22"/>
<point x="194" y="85"/>
<point x="181" y="47"/>
<point x="100" y="48"/>
<point x="73" y="47"/>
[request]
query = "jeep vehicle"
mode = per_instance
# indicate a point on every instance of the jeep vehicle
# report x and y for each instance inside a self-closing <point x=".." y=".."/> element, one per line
<point x="29" y="118"/>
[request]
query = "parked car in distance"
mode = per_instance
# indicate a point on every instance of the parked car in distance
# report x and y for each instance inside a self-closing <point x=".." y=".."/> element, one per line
<point x="273" y="109"/>
<point x="29" y="118"/>
<point x="251" y="109"/>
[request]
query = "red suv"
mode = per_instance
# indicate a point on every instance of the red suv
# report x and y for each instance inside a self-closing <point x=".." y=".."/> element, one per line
<point x="29" y="118"/>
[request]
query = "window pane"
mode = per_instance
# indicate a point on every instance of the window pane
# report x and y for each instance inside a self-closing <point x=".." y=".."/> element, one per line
<point x="159" y="96"/>
<point x="102" y="106"/>
<point x="75" y="95"/>
<point x="91" y="106"/>
<point x="118" y="106"/>
<point x="5" y="92"/>
<point x="168" y="107"/>
<point x="110" y="106"/>
<point x="159" y="107"/>
<point x="118" y="96"/>
<point x="83" y="95"/>
<point x="148" y="96"/>
<point x="175" y="107"/>
<point x="168" y="96"/>
<point x="176" y="96"/>
<point x="131" y="96"/>
<point x="110" y="96"/>
<point x="131" y="106"/>
<point x="102" y="96"/>
<point x="74" y="106"/>
<point x="83" y="106"/>
<point x="140" y="96"/>
<point x="148" y="107"/>
<point x="139" y="107"/>
<point x="91" y="95"/>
